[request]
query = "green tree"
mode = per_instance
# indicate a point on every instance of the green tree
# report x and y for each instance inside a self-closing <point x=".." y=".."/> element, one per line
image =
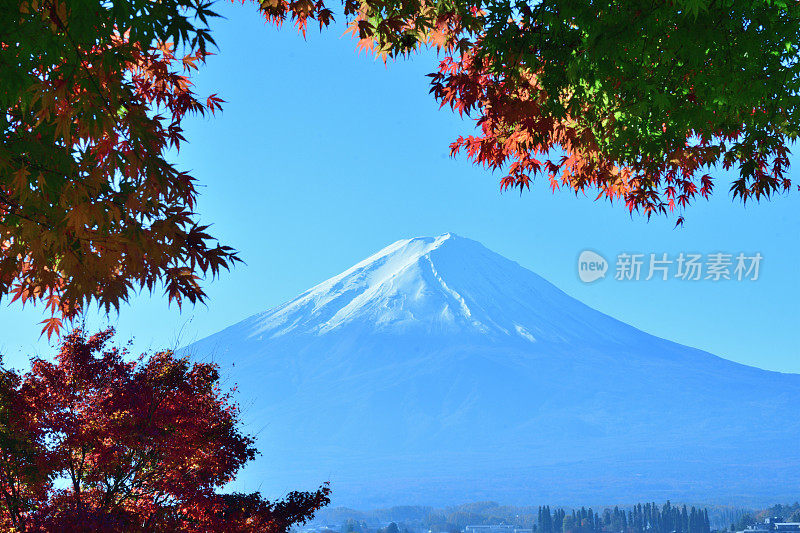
<point x="93" y="97"/>
<point x="639" y="100"/>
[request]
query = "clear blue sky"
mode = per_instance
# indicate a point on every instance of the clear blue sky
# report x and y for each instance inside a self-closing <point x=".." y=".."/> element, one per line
<point x="321" y="157"/>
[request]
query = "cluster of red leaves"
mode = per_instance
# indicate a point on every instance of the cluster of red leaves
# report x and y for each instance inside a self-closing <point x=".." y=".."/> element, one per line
<point x="518" y="137"/>
<point x="615" y="122"/>
<point x="300" y="12"/>
<point x="96" y="442"/>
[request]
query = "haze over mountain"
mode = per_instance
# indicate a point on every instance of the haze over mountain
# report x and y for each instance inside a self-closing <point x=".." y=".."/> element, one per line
<point x="437" y="371"/>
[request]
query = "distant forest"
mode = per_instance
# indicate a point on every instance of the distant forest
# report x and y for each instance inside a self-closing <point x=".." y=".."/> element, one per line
<point x="648" y="517"/>
<point x="640" y="518"/>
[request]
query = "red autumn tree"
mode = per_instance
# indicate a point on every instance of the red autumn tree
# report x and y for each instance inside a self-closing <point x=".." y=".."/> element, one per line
<point x="95" y="442"/>
<point x="24" y="471"/>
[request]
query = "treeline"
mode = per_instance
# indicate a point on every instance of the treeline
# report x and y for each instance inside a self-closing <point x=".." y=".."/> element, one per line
<point x="642" y="518"/>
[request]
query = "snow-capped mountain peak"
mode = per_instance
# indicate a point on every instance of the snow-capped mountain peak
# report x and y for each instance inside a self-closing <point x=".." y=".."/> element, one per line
<point x="446" y="283"/>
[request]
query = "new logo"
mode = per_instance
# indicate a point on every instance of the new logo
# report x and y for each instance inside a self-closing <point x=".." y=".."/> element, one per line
<point x="591" y="266"/>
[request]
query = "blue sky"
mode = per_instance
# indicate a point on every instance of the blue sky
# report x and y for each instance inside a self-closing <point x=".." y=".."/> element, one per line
<point x="323" y="156"/>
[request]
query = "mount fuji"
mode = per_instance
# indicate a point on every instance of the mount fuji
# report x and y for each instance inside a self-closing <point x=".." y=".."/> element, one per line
<point x="438" y="372"/>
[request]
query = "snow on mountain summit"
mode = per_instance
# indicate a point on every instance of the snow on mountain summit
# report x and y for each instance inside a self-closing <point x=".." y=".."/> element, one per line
<point x="395" y="286"/>
<point x="446" y="283"/>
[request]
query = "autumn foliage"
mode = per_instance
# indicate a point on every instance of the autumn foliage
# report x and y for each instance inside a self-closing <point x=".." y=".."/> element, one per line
<point x="640" y="101"/>
<point x="93" y="98"/>
<point x="637" y="101"/>
<point x="94" y="441"/>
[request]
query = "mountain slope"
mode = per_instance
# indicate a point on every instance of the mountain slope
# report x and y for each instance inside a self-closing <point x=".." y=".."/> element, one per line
<point x="437" y="371"/>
